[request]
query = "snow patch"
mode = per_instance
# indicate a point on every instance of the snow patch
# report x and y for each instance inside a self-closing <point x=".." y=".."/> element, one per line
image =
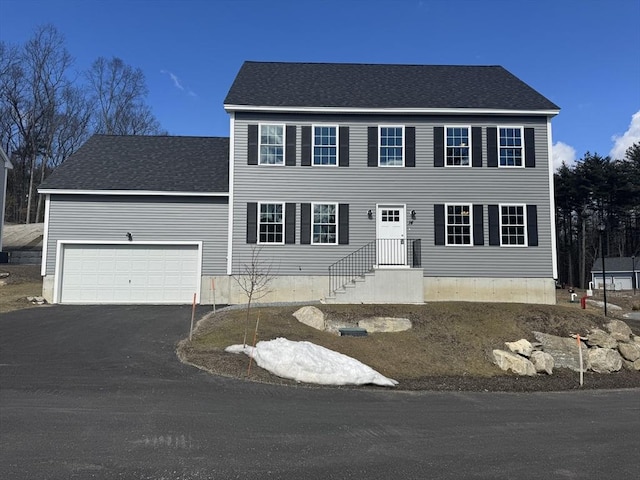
<point x="311" y="363"/>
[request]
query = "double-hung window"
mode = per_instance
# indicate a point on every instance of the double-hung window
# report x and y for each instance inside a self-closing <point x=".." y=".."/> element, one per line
<point x="513" y="225"/>
<point x="391" y="146"/>
<point x="324" y="223"/>
<point x="271" y="223"/>
<point x="511" y="146"/>
<point x="458" y="146"/>
<point x="325" y="145"/>
<point x="458" y="224"/>
<point x="271" y="144"/>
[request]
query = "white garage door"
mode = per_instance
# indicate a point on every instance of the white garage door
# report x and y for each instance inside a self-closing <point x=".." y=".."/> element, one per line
<point x="129" y="273"/>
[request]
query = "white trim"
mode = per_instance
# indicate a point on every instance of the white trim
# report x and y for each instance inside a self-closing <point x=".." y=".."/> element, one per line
<point x="446" y="225"/>
<point x="282" y="204"/>
<point x="284" y="143"/>
<point x="552" y="202"/>
<point x="313" y="144"/>
<point x="389" y="206"/>
<point x="158" y="193"/>
<point x="380" y="127"/>
<point x="57" y="285"/>
<point x="232" y="150"/>
<point x="522" y="149"/>
<point x="45" y="235"/>
<point x="387" y="111"/>
<point x="313" y="204"/>
<point x="524" y="218"/>
<point x="469" y="146"/>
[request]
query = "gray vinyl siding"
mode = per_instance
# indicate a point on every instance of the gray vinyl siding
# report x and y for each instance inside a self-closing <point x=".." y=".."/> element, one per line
<point x="110" y="217"/>
<point x="419" y="188"/>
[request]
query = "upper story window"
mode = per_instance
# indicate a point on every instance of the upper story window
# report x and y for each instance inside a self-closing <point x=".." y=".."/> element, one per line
<point x="458" y="224"/>
<point x="511" y="146"/>
<point x="271" y="145"/>
<point x="325" y="145"/>
<point x="513" y="226"/>
<point x="391" y="146"/>
<point x="271" y="223"/>
<point x="324" y="223"/>
<point x="458" y="146"/>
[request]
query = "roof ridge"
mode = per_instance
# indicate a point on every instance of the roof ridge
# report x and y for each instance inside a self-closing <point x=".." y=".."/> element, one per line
<point x="360" y="64"/>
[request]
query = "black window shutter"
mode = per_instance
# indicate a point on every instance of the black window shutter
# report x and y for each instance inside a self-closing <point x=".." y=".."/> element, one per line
<point x="532" y="225"/>
<point x="476" y="141"/>
<point x="438" y="146"/>
<point x="305" y="223"/>
<point x="529" y="148"/>
<point x="478" y="225"/>
<point x="494" y="225"/>
<point x="290" y="151"/>
<point x="438" y="216"/>
<point x="290" y="223"/>
<point x="343" y="148"/>
<point x="372" y="147"/>
<point x="252" y="145"/>
<point x="343" y="224"/>
<point x="492" y="147"/>
<point x="410" y="147"/>
<point x="306" y="146"/>
<point x="252" y="222"/>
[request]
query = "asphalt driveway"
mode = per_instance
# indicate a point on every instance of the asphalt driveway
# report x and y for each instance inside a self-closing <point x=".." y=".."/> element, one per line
<point x="97" y="392"/>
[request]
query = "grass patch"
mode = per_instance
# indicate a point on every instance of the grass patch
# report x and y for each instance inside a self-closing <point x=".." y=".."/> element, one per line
<point x="449" y="339"/>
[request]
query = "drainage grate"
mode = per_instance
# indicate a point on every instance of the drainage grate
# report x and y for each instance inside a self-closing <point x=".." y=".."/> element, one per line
<point x="352" y="332"/>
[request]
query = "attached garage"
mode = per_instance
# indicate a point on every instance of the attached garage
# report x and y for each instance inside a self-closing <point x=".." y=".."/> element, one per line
<point x="136" y="273"/>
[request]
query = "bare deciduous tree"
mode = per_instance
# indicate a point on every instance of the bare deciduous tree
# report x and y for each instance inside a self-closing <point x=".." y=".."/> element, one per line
<point x="254" y="279"/>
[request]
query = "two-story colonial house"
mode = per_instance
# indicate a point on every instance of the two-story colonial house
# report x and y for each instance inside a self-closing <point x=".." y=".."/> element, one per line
<point x="351" y="182"/>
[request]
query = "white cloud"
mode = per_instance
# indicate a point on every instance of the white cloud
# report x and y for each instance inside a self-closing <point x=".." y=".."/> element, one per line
<point x="561" y="152"/>
<point x="628" y="138"/>
<point x="174" y="79"/>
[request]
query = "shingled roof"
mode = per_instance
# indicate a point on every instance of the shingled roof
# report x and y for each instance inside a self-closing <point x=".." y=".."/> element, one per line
<point x="146" y="163"/>
<point x="376" y="86"/>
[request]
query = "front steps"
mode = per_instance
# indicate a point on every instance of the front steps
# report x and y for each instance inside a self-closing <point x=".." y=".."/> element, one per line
<point x="382" y="285"/>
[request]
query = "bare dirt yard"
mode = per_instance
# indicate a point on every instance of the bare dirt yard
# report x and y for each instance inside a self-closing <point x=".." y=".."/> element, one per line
<point x="17" y="282"/>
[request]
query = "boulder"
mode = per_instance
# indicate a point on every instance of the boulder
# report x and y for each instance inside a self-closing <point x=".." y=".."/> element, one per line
<point x="635" y="339"/>
<point x="311" y="316"/>
<point x="564" y="351"/>
<point x="633" y="366"/>
<point x="618" y="330"/>
<point x="522" y="347"/>
<point x="604" y="360"/>
<point x="600" y="338"/>
<point x="516" y="363"/>
<point x="629" y="351"/>
<point x="543" y="362"/>
<point x="385" y="324"/>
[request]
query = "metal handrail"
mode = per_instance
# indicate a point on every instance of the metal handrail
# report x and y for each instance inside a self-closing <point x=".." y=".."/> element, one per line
<point x="363" y="260"/>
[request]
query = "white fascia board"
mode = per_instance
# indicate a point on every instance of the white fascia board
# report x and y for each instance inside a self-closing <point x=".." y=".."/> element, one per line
<point x="45" y="236"/>
<point x="232" y="128"/>
<point x="389" y="111"/>
<point x="156" y="193"/>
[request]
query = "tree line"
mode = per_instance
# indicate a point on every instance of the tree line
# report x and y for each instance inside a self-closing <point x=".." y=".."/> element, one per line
<point x="597" y="208"/>
<point x="48" y="110"/>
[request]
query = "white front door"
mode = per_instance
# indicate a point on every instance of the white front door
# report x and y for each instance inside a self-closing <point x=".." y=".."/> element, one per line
<point x="391" y="245"/>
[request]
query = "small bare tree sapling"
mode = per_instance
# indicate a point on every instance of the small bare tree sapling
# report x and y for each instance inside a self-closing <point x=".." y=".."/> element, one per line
<point x="254" y="279"/>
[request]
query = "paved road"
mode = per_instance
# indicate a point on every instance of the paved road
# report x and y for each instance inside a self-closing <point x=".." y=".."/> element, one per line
<point x="96" y="392"/>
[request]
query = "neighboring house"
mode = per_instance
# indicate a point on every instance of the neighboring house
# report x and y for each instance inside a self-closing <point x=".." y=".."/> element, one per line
<point x="355" y="183"/>
<point x="5" y="166"/>
<point x="620" y="272"/>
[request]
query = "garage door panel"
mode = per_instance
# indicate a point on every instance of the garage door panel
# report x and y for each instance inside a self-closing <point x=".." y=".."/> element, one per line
<point x="129" y="273"/>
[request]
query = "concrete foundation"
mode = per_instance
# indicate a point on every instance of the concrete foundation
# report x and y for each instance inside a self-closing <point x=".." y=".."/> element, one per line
<point x="398" y="285"/>
<point x="509" y="290"/>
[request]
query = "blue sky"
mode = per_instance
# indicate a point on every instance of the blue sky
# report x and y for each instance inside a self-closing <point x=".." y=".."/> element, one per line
<point x="584" y="55"/>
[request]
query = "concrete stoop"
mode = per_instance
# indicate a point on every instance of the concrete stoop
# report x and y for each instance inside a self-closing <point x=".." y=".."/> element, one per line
<point x="382" y="285"/>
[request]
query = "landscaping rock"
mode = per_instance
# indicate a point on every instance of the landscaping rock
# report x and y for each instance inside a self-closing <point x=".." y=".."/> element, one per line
<point x="522" y="347"/>
<point x="385" y="324"/>
<point x="311" y="316"/>
<point x="629" y="351"/>
<point x="564" y="351"/>
<point x="619" y="330"/>
<point x="604" y="360"/>
<point x="543" y="362"/>
<point x="600" y="338"/>
<point x="633" y="366"/>
<point x="516" y="363"/>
